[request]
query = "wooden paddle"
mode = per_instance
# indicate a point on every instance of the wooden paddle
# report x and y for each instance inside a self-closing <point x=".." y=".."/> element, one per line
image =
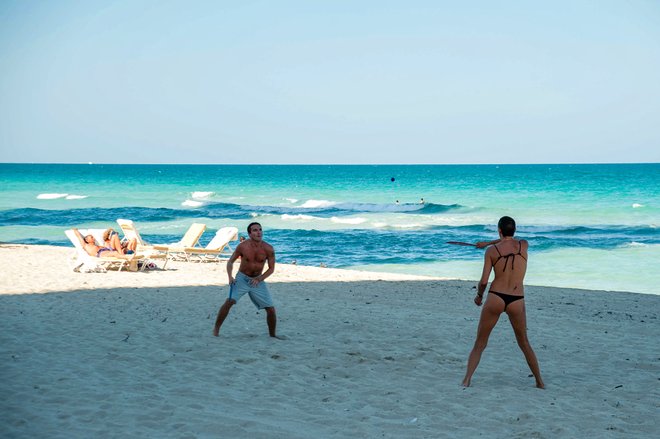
<point x="467" y="244"/>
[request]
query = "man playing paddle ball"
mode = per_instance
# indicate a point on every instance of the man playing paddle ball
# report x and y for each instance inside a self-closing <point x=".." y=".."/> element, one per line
<point x="254" y="252"/>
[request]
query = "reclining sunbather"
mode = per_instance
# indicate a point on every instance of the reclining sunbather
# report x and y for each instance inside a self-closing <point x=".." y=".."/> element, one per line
<point x="89" y="244"/>
<point x="112" y="241"/>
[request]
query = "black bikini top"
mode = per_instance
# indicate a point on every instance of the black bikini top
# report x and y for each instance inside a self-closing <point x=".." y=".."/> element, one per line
<point x="510" y="255"/>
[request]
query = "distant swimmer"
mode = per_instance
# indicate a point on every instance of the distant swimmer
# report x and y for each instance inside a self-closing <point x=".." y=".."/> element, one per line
<point x="397" y="201"/>
<point x="392" y="179"/>
<point x="421" y="201"/>
<point x="508" y="259"/>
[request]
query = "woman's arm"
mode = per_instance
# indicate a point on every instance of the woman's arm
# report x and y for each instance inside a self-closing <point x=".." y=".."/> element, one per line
<point x="484" y="244"/>
<point x="485" y="274"/>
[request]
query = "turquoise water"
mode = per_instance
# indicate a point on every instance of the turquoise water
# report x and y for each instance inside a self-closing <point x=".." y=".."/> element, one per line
<point x="589" y="226"/>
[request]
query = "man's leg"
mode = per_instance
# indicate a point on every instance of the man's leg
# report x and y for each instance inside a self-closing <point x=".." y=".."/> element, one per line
<point x="271" y="319"/>
<point x="518" y="319"/>
<point x="222" y="315"/>
<point x="490" y="314"/>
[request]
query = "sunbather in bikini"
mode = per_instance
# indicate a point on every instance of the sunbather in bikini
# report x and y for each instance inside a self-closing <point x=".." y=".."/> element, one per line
<point x="112" y="242"/>
<point x="89" y="244"/>
<point x="506" y="294"/>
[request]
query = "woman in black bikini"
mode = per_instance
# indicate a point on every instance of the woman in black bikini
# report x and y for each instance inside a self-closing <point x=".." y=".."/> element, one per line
<point x="508" y="259"/>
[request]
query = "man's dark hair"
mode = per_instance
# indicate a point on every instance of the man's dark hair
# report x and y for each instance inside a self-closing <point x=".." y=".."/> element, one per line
<point x="249" y="229"/>
<point x="507" y="225"/>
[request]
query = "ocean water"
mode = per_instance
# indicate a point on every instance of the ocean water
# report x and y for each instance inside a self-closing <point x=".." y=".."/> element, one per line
<point x="589" y="226"/>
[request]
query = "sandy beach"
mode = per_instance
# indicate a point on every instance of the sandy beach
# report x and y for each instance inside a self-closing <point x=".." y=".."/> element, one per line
<point x="367" y="355"/>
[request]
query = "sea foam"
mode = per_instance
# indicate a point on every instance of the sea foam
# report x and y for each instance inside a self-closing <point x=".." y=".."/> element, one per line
<point x="201" y="195"/>
<point x="353" y="221"/>
<point x="314" y="204"/>
<point x="287" y="217"/>
<point x="192" y="203"/>
<point x="50" y="196"/>
<point x="408" y="226"/>
<point x="75" y="197"/>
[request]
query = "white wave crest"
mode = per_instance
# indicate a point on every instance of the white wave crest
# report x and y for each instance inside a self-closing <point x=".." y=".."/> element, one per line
<point x="50" y="196"/>
<point x="287" y="217"/>
<point x="636" y="244"/>
<point x="637" y="205"/>
<point x="291" y="200"/>
<point x="408" y="226"/>
<point x="357" y="220"/>
<point x="371" y="207"/>
<point x="200" y="195"/>
<point x="312" y="204"/>
<point x="380" y="225"/>
<point x="192" y="203"/>
<point x="75" y="197"/>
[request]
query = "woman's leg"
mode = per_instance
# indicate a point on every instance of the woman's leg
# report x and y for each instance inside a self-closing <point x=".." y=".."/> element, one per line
<point x="132" y="245"/>
<point x="115" y="244"/>
<point x="490" y="314"/>
<point x="518" y="319"/>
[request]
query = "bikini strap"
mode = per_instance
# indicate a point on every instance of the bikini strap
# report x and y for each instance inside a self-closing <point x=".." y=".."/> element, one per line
<point x="506" y="258"/>
<point x="499" y="257"/>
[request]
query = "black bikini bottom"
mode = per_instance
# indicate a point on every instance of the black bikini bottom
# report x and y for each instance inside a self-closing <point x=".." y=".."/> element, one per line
<point x="507" y="298"/>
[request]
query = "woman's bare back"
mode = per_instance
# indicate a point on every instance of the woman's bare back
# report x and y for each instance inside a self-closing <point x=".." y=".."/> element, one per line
<point x="509" y="259"/>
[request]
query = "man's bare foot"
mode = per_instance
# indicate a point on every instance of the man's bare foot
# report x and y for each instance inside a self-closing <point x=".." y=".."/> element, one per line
<point x="466" y="383"/>
<point x="540" y="385"/>
<point x="216" y="331"/>
<point x="280" y="337"/>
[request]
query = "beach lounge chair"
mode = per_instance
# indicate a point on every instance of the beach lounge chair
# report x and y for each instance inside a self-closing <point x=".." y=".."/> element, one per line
<point x="131" y="232"/>
<point x="215" y="249"/>
<point x="84" y="262"/>
<point x="178" y="250"/>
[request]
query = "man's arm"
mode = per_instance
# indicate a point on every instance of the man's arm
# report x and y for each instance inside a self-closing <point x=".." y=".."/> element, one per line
<point x="79" y="236"/>
<point x="271" y="265"/>
<point x="230" y="264"/>
<point x="85" y="245"/>
<point x="485" y="274"/>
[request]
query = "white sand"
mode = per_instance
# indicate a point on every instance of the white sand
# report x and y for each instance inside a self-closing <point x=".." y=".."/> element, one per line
<point x="132" y="355"/>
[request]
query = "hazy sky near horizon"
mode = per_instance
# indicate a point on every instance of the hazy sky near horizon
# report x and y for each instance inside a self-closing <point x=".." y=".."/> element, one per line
<point x="330" y="81"/>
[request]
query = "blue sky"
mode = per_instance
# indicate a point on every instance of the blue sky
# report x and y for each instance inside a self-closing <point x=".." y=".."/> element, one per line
<point x="330" y="82"/>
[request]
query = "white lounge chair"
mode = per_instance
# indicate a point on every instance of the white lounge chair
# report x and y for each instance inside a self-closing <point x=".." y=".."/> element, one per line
<point x="214" y="249"/>
<point x="179" y="250"/>
<point x="84" y="262"/>
<point x="131" y="232"/>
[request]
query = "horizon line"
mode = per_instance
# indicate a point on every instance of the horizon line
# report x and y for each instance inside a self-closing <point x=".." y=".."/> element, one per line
<point x="333" y="164"/>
